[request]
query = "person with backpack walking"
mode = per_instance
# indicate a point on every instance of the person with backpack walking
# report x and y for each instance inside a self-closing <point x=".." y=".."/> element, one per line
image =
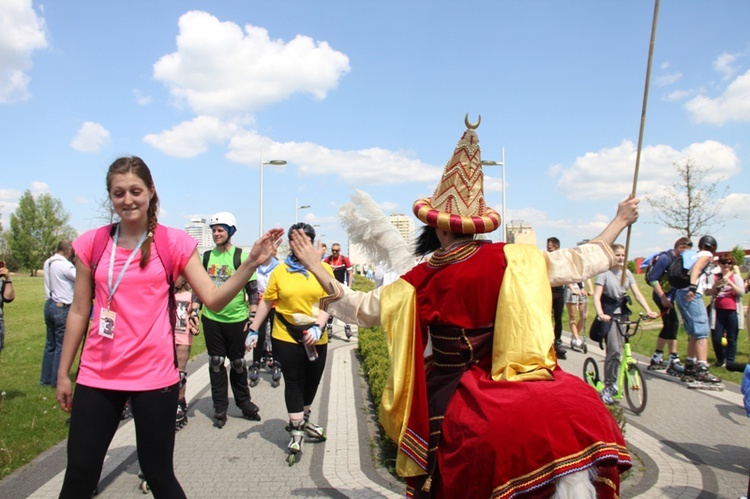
<point x="127" y="271"/>
<point x="686" y="274"/>
<point x="663" y="296"/>
<point x="225" y="329"/>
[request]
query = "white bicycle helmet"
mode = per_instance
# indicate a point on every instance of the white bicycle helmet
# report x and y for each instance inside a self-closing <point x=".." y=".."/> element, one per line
<point x="224" y="218"/>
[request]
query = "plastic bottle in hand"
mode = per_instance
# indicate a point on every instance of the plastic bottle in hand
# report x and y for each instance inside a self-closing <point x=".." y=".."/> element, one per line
<point x="310" y="350"/>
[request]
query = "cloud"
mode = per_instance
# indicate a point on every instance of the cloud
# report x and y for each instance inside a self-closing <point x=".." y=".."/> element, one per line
<point x="39" y="188"/>
<point x="732" y="105"/>
<point x="219" y="69"/>
<point x="609" y="172"/>
<point x="21" y="34"/>
<point x="669" y="79"/>
<point x="679" y="95"/>
<point x="141" y="99"/>
<point x="91" y="137"/>
<point x="8" y="204"/>
<point x="736" y="205"/>
<point x="373" y="166"/>
<point x="191" y="138"/>
<point x="724" y="65"/>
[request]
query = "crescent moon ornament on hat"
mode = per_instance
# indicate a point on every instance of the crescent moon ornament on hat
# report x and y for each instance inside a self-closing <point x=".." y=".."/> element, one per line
<point x="458" y="204"/>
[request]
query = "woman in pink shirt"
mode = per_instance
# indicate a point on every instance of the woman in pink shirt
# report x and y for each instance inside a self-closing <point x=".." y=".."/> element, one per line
<point x="129" y="350"/>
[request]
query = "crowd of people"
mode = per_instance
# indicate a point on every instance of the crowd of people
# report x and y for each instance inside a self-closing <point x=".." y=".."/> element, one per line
<point x="131" y="295"/>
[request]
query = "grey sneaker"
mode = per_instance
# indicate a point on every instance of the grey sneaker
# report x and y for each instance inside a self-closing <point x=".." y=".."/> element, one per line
<point x="657" y="365"/>
<point x="704" y="375"/>
<point x="607" y="396"/>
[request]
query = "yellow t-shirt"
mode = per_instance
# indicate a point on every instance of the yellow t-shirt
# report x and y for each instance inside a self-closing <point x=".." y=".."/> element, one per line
<point x="296" y="298"/>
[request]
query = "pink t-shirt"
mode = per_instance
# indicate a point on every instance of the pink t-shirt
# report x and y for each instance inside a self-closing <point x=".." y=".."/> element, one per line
<point x="141" y="355"/>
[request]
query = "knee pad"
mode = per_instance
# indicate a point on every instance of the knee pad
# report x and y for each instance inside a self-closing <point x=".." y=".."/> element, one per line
<point x="238" y="365"/>
<point x="216" y="362"/>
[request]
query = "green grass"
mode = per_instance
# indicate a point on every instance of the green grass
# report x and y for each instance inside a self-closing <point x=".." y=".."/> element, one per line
<point x="645" y="342"/>
<point x="30" y="419"/>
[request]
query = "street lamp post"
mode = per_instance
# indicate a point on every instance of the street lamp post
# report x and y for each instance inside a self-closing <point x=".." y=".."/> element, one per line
<point x="501" y="164"/>
<point x="297" y="207"/>
<point x="274" y="162"/>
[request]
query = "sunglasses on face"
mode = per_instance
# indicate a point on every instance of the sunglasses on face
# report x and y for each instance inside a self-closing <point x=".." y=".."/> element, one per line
<point x="725" y="263"/>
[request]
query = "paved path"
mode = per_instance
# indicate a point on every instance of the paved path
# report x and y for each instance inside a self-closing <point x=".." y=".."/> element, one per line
<point x="689" y="444"/>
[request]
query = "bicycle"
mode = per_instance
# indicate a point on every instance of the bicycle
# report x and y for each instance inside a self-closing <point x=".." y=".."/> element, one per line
<point x="631" y="383"/>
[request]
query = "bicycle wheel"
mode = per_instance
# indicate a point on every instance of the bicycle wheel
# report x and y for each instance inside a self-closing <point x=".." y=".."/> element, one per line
<point x="635" y="389"/>
<point x="591" y="372"/>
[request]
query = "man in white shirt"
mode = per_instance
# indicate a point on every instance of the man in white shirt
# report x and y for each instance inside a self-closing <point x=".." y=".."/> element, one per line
<point x="59" y="277"/>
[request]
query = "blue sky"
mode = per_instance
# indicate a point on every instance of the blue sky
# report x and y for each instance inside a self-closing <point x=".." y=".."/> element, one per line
<point x="373" y="95"/>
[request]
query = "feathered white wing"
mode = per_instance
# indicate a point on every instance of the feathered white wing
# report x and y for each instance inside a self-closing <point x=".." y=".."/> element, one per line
<point x="368" y="227"/>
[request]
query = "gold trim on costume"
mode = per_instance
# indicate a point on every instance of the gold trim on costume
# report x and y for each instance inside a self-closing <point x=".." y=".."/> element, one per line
<point x="453" y="254"/>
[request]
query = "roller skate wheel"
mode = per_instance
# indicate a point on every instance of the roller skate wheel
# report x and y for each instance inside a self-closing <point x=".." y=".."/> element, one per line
<point x="145" y="489"/>
<point x="291" y="459"/>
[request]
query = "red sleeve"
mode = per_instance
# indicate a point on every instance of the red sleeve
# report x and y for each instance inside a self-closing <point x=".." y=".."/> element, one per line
<point x="347" y="262"/>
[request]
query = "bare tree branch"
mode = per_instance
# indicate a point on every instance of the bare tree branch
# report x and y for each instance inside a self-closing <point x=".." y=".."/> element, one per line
<point x="691" y="206"/>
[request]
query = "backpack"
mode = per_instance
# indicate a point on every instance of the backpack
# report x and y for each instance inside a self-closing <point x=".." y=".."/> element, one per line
<point x="649" y="272"/>
<point x="161" y="242"/>
<point x="678" y="272"/>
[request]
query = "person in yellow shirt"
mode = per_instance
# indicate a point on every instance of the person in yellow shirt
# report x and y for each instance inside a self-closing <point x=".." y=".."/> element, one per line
<point x="297" y="339"/>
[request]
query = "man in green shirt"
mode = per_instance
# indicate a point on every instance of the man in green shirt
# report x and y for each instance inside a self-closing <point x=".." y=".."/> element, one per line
<point x="225" y="330"/>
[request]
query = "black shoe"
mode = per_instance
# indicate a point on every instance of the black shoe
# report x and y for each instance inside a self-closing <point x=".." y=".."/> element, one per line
<point x="221" y="417"/>
<point x="250" y="411"/>
<point x="560" y="352"/>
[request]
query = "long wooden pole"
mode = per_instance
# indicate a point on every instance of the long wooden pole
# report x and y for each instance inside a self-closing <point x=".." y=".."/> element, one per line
<point x="643" y="124"/>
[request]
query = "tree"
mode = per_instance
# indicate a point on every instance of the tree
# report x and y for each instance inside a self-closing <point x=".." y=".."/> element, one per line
<point x="36" y="227"/>
<point x="690" y="206"/>
<point x="739" y="255"/>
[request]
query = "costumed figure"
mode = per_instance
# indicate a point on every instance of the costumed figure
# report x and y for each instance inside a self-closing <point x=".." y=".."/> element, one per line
<point x="485" y="411"/>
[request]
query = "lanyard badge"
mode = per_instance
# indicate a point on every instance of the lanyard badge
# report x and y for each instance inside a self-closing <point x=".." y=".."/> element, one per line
<point x="108" y="316"/>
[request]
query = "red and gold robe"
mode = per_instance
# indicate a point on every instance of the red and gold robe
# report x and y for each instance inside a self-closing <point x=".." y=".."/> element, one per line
<point x="487" y="412"/>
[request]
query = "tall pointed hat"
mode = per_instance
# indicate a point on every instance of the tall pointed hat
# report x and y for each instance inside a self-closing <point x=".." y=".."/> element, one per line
<point x="458" y="203"/>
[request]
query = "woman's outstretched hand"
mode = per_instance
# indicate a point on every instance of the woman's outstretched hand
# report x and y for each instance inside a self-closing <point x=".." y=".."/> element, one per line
<point x="266" y="245"/>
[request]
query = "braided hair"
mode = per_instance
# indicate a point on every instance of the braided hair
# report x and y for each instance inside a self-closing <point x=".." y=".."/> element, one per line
<point x="136" y="166"/>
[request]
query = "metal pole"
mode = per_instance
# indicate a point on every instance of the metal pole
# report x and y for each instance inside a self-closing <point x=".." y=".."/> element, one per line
<point x="502" y="222"/>
<point x="643" y="124"/>
<point x="260" y="223"/>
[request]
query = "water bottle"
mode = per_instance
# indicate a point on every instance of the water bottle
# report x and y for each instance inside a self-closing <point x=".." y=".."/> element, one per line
<point x="310" y="350"/>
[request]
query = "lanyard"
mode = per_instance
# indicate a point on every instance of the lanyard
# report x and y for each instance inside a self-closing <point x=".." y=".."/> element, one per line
<point x="112" y="289"/>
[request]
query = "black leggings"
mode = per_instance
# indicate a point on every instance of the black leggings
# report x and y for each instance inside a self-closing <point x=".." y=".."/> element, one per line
<point x="558" y="304"/>
<point x="301" y="377"/>
<point x="94" y="420"/>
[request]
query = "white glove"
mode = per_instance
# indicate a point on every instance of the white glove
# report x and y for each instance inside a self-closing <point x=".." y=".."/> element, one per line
<point x="315" y="331"/>
<point x="251" y="340"/>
